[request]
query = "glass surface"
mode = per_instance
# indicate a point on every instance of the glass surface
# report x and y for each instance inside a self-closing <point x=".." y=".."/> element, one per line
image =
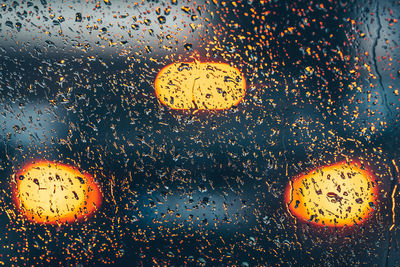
<point x="183" y="132"/>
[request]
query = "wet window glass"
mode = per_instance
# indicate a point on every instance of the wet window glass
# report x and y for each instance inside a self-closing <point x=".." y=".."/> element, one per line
<point x="199" y="132"/>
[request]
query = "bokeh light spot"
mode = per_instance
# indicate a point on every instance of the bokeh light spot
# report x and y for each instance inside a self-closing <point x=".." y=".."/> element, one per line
<point x="50" y="192"/>
<point x="336" y="195"/>
<point x="200" y="86"/>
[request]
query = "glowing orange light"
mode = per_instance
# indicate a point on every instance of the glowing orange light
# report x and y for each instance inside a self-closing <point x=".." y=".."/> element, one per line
<point x="200" y="86"/>
<point x="50" y="192"/>
<point x="336" y="195"/>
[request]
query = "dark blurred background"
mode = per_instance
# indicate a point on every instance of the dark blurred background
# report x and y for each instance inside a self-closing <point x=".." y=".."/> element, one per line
<point x="199" y="188"/>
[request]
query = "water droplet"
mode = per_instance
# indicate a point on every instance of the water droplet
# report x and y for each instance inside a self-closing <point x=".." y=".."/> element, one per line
<point x="78" y="17"/>
<point x="188" y="46"/>
<point x="9" y="24"/>
<point x="161" y="19"/>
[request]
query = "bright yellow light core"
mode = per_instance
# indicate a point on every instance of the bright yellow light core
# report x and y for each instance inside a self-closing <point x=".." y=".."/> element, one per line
<point x="200" y="86"/>
<point x="336" y="195"/>
<point x="50" y="192"/>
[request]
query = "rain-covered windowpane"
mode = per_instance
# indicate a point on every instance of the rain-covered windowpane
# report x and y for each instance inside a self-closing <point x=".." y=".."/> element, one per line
<point x="199" y="132"/>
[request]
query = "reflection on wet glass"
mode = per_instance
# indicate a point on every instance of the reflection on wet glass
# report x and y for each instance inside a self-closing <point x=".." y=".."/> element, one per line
<point x="207" y="131"/>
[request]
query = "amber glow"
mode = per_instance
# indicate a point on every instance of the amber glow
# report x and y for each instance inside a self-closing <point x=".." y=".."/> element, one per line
<point x="50" y="192"/>
<point x="336" y="195"/>
<point x="200" y="86"/>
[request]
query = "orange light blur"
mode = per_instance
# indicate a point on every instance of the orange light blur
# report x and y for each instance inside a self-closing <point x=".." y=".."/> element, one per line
<point x="337" y="195"/>
<point x="200" y="86"/>
<point x="53" y="193"/>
